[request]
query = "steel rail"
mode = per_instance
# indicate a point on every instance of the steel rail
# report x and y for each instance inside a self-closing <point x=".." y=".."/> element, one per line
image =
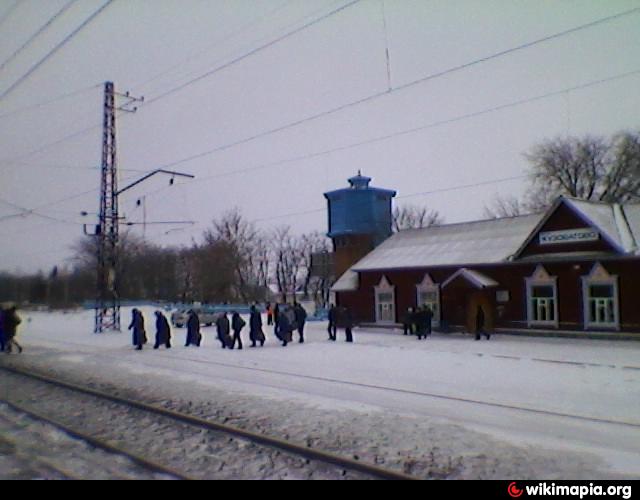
<point x="97" y="443"/>
<point x="273" y="442"/>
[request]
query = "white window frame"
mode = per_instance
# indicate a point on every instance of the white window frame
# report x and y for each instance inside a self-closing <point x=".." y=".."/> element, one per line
<point x="426" y="286"/>
<point x="385" y="287"/>
<point x="600" y="276"/>
<point x="540" y="277"/>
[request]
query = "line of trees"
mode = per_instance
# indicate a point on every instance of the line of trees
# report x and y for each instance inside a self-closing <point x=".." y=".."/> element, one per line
<point x="233" y="262"/>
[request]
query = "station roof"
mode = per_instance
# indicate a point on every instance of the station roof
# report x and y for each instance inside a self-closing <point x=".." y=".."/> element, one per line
<point x="478" y="242"/>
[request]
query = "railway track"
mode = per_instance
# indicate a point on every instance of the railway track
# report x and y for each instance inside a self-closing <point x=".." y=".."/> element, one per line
<point x="396" y="390"/>
<point x="279" y="452"/>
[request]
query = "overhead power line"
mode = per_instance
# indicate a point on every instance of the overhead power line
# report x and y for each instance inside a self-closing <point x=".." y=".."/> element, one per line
<point x="252" y="52"/>
<point x="259" y="19"/>
<point x="37" y="33"/>
<point x="377" y="95"/>
<point x="412" y="130"/>
<point x="54" y="50"/>
<point x="410" y="195"/>
<point x="50" y="101"/>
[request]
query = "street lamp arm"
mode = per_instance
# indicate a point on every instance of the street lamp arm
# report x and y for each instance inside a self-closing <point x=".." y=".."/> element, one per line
<point x="157" y="171"/>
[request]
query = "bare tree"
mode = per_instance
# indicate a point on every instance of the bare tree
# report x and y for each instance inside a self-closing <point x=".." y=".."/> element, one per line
<point x="413" y="217"/>
<point x="248" y="249"/>
<point x="288" y="261"/>
<point x="508" y="206"/>
<point x="589" y="168"/>
<point x="312" y="244"/>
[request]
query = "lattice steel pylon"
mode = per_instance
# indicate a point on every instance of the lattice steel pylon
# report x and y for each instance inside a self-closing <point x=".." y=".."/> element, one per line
<point x="107" y="307"/>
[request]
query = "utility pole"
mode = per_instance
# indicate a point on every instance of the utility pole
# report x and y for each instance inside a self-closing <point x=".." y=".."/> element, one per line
<point x="107" y="306"/>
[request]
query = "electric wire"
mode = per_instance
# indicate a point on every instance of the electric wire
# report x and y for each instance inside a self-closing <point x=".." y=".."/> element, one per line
<point x="394" y="90"/>
<point x="55" y="49"/>
<point x="49" y="101"/>
<point x="252" y="52"/>
<point x="43" y="28"/>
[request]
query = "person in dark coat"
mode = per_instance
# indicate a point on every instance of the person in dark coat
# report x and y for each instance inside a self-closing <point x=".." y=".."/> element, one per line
<point x="332" y="328"/>
<point x="255" y="327"/>
<point x="223" y="327"/>
<point x="301" y="318"/>
<point x="10" y="322"/>
<point x="276" y="320"/>
<point x="407" y="322"/>
<point x="428" y="317"/>
<point x="194" y="337"/>
<point x="163" y="331"/>
<point x="347" y="323"/>
<point x="2" y="341"/>
<point x="421" y="323"/>
<point x="480" y="330"/>
<point x="237" y="323"/>
<point x="285" y="327"/>
<point x="137" y="325"/>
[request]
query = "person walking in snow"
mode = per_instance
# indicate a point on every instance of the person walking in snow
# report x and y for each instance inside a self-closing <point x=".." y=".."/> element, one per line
<point x="223" y="327"/>
<point x="269" y="314"/>
<point x="347" y="323"/>
<point x="137" y="325"/>
<point x="2" y="341"/>
<point x="255" y="327"/>
<point x="10" y="322"/>
<point x="163" y="331"/>
<point x="194" y="337"/>
<point x="332" y="328"/>
<point x="407" y="322"/>
<point x="480" y="328"/>
<point x="301" y="318"/>
<point x="284" y="325"/>
<point x="237" y="323"/>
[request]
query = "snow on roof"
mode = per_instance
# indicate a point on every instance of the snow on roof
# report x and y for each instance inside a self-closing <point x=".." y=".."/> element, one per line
<point x="478" y="279"/>
<point x="348" y="282"/>
<point x="478" y="242"/>
<point x="602" y="216"/>
<point x="632" y="214"/>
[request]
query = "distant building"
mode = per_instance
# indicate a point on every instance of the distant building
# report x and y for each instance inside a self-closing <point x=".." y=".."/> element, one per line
<point x="575" y="267"/>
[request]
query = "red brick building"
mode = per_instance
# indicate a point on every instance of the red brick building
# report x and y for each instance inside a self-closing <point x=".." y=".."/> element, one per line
<point x="573" y="268"/>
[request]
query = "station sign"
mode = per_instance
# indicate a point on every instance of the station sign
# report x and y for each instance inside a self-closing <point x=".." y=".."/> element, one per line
<point x="569" y="236"/>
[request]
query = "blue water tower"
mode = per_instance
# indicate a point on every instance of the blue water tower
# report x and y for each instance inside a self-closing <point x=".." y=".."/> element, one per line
<point x="359" y="220"/>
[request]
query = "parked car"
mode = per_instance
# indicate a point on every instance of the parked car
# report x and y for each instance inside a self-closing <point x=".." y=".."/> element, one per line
<point x="180" y="317"/>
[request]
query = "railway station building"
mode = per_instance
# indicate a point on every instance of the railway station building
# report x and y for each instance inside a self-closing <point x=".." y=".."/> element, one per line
<point x="574" y="268"/>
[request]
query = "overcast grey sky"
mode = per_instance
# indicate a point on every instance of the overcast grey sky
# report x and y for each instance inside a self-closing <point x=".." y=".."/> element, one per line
<point x="151" y="47"/>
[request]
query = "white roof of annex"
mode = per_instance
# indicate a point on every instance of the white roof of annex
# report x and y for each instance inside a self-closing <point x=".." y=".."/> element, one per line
<point x="495" y="240"/>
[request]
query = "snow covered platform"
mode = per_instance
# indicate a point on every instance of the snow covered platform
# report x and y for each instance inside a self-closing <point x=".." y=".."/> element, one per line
<point x="448" y="406"/>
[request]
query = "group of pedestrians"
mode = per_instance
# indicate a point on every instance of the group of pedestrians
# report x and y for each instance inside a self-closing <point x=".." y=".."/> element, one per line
<point x="418" y="322"/>
<point x="9" y="321"/>
<point x="163" y="331"/>
<point x="286" y="319"/>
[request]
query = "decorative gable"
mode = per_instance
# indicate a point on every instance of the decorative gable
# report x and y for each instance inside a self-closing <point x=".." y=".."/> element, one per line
<point x="427" y="282"/>
<point x="384" y="284"/>
<point x="599" y="273"/>
<point x="572" y="226"/>
<point x="541" y="274"/>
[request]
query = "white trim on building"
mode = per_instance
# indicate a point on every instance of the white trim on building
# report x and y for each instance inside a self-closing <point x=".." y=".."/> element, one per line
<point x="542" y="299"/>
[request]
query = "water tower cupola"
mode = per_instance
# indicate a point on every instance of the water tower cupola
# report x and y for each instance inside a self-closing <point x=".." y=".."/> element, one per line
<point x="359" y="220"/>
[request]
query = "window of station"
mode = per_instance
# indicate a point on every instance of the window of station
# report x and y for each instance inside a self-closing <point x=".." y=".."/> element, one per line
<point x="600" y="299"/>
<point x="542" y="299"/>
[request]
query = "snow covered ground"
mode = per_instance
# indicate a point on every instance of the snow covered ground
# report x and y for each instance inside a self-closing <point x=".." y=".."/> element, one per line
<point x="448" y="406"/>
